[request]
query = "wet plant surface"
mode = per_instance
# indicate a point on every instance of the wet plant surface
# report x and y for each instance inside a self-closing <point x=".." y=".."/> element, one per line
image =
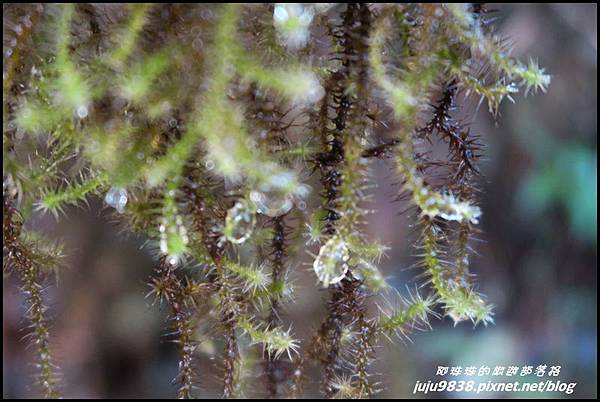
<point x="238" y="142"/>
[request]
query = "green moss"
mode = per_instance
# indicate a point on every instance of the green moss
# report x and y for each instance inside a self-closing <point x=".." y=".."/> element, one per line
<point x="209" y="120"/>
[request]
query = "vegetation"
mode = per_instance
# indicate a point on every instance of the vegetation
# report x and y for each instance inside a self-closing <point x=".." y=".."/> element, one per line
<point x="201" y="126"/>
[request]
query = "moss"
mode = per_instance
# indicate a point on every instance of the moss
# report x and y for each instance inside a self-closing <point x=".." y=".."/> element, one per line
<point x="206" y="121"/>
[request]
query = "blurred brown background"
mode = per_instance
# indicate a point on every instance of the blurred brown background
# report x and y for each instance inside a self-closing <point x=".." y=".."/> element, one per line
<point x="537" y="258"/>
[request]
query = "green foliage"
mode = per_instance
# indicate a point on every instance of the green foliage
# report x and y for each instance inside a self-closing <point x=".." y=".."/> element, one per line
<point x="201" y="128"/>
<point x="566" y="172"/>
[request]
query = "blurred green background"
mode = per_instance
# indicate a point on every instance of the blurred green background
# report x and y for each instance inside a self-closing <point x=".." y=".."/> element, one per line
<point x="536" y="259"/>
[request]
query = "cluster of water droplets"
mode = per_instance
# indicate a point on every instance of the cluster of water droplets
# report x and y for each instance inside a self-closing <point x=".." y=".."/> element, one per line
<point x="196" y="38"/>
<point x="292" y="21"/>
<point x="173" y="239"/>
<point x="331" y="264"/>
<point x="239" y="222"/>
<point x="117" y="198"/>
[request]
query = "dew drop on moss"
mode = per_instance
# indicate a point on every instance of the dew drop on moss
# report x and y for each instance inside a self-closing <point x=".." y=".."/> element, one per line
<point x="271" y="204"/>
<point x="331" y="263"/>
<point x="82" y="112"/>
<point x="239" y="223"/>
<point x="117" y="198"/>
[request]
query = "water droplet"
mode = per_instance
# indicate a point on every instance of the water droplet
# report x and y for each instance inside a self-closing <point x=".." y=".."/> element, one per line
<point x="209" y="165"/>
<point x="172" y="122"/>
<point x="116" y="197"/>
<point x="195" y="31"/>
<point x="163" y="245"/>
<point x="292" y="21"/>
<point x="282" y="180"/>
<point x="82" y="112"/>
<point x="305" y="17"/>
<point x="173" y="238"/>
<point x="512" y="88"/>
<point x="280" y="14"/>
<point x="271" y="204"/>
<point x="239" y="223"/>
<point x="197" y="44"/>
<point x="331" y="263"/>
